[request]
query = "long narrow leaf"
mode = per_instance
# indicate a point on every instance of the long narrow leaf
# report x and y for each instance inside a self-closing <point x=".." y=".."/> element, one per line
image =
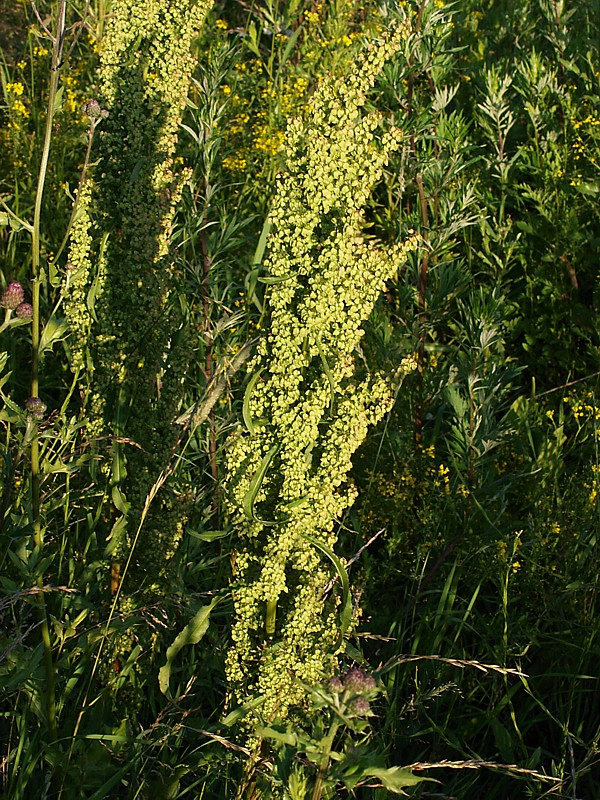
<point x="191" y="634"/>
<point x="346" y="614"/>
<point x="256" y="482"/>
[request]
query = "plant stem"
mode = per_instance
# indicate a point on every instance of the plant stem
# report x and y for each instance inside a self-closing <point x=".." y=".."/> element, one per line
<point x="422" y="313"/>
<point x="37" y="277"/>
<point x="318" y="787"/>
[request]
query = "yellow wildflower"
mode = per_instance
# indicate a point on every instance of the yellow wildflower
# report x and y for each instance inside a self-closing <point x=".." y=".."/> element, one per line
<point x="20" y="109"/>
<point x="15" y="88"/>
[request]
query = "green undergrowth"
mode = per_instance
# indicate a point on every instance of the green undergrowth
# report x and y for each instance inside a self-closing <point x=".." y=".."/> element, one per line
<point x="299" y="399"/>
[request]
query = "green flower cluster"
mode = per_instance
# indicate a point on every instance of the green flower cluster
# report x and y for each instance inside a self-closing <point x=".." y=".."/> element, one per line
<point x="124" y="325"/>
<point x="305" y="413"/>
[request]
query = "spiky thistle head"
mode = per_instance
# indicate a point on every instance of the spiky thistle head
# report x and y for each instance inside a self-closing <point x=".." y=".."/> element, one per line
<point x="12" y="296"/>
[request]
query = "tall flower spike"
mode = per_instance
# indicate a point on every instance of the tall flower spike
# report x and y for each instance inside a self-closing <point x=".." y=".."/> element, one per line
<point x="118" y="288"/>
<point x="305" y="412"/>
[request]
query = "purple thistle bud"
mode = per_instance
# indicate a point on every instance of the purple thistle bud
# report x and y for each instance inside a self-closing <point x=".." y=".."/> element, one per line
<point x="36" y="407"/>
<point x="358" y="682"/>
<point x="335" y="685"/>
<point x="361" y="706"/>
<point x="24" y="311"/>
<point x="12" y="296"/>
<point x="92" y="109"/>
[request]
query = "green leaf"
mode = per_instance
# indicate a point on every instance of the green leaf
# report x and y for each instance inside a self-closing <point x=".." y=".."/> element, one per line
<point x="457" y="402"/>
<point x="327" y="371"/>
<point x="299" y="502"/>
<point x="256" y="483"/>
<point x="290" y="46"/>
<point x="191" y="634"/>
<point x="587" y="187"/>
<point x="119" y="500"/>
<point x="394" y="778"/>
<point x="209" y="536"/>
<point x="251" y="40"/>
<point x="346" y="613"/>
<point x="269" y="280"/>
<point x="58" y="99"/>
<point x="241" y="711"/>
<point x="115" y="536"/>
<point x="54" y="330"/>
<point x="247" y="416"/>
<point x="96" y="286"/>
<point x="262" y="243"/>
<point x="283" y="736"/>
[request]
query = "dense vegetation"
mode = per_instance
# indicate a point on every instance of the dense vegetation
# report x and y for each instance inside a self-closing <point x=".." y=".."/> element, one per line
<point x="299" y="364"/>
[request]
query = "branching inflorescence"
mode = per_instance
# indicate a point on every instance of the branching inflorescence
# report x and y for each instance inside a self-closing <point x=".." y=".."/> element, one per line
<point x="305" y="411"/>
<point x="120" y="279"/>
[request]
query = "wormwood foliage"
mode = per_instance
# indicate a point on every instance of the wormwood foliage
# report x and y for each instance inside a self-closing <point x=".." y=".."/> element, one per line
<point x="121" y="277"/>
<point x="305" y="411"/>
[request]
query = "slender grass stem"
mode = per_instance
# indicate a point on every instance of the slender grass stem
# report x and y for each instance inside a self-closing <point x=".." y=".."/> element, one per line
<point x="38" y="277"/>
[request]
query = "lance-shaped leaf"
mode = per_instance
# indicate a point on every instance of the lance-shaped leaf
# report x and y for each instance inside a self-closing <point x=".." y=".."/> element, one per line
<point x="191" y="634"/>
<point x="256" y="483"/>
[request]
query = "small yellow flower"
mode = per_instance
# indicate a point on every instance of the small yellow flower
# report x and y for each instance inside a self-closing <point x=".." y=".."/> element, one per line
<point x="15" y="88"/>
<point x="220" y="23"/>
<point x="20" y="109"/>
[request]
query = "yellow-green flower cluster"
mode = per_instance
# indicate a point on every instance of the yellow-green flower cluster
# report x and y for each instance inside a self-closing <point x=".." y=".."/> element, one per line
<point x="117" y="296"/>
<point x="305" y="412"/>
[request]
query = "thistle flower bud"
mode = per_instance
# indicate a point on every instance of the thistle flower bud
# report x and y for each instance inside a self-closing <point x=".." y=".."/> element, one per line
<point x="93" y="109"/>
<point x="359" y="682"/>
<point x="12" y="296"/>
<point x="35" y="407"/>
<point x="361" y="707"/>
<point x="335" y="685"/>
<point x="24" y="311"/>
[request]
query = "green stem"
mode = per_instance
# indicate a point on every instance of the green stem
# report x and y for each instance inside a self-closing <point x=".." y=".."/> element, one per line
<point x="324" y="765"/>
<point x="37" y="278"/>
<point x="270" y="619"/>
<point x="82" y="178"/>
